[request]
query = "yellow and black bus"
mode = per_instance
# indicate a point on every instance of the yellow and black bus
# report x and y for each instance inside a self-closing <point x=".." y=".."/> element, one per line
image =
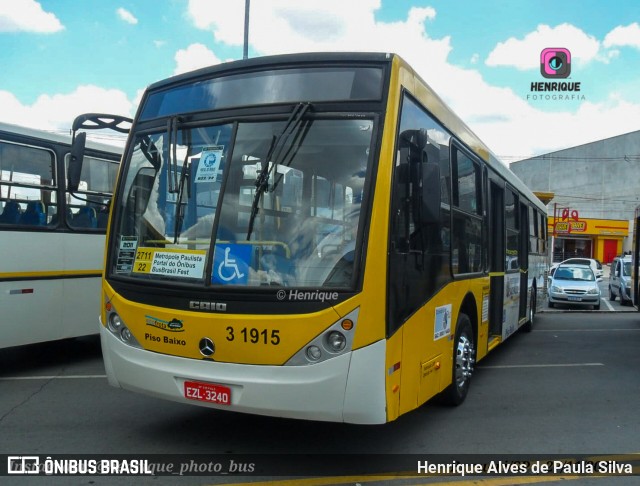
<point x="312" y="236"/>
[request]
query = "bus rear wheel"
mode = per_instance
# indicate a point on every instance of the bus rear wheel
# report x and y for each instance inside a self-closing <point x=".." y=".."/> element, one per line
<point x="528" y="326"/>
<point x="464" y="358"/>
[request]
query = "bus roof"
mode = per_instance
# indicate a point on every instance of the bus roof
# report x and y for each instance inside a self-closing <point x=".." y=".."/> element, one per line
<point x="55" y="137"/>
<point x="277" y="60"/>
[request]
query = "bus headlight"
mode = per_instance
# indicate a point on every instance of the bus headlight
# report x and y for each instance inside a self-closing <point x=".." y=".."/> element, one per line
<point x="126" y="335"/>
<point x="114" y="322"/>
<point x="334" y="341"/>
<point x="116" y="325"/>
<point x="314" y="353"/>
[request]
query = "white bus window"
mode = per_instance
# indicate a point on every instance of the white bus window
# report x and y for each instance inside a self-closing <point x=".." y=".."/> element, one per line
<point x="27" y="185"/>
<point x="89" y="206"/>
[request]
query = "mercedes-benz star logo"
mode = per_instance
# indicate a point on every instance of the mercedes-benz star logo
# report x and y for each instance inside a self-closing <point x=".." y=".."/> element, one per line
<point x="207" y="348"/>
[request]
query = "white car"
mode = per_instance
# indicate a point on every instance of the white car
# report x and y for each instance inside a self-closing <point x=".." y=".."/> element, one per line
<point x="620" y="282"/>
<point x="574" y="285"/>
<point x="595" y="265"/>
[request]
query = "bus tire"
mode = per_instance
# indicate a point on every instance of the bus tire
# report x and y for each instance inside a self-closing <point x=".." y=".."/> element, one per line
<point x="528" y="326"/>
<point x="464" y="355"/>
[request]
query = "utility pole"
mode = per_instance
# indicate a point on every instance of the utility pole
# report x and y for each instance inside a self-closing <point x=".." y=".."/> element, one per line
<point x="245" y="50"/>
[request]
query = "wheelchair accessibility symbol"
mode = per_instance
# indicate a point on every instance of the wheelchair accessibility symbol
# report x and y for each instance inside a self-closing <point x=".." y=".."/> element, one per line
<point x="231" y="264"/>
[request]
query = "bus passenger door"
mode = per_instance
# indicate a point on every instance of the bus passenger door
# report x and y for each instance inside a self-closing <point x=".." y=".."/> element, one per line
<point x="523" y="259"/>
<point x="496" y="259"/>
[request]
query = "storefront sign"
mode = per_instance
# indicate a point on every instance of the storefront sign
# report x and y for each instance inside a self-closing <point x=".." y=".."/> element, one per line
<point x="570" y="223"/>
<point x="566" y="227"/>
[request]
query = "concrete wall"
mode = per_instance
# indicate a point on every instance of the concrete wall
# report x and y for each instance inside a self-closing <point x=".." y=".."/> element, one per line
<point x="600" y="179"/>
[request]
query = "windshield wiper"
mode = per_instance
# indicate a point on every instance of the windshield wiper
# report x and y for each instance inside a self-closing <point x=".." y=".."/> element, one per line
<point x="185" y="179"/>
<point x="278" y="144"/>
<point x="172" y="141"/>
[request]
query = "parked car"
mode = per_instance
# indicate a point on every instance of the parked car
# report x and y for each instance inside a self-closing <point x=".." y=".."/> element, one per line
<point x="595" y="265"/>
<point x="620" y="279"/>
<point x="574" y="285"/>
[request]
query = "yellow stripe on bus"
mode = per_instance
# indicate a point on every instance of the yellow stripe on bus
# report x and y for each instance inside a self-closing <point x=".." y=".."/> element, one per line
<point x="327" y="481"/>
<point x="49" y="274"/>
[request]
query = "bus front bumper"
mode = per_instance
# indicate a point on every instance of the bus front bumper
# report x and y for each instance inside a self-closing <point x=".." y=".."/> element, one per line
<point x="348" y="388"/>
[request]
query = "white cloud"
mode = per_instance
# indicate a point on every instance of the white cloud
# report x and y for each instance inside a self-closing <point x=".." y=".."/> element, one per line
<point x="127" y="16"/>
<point x="194" y="57"/>
<point x="281" y="25"/>
<point x="503" y="119"/>
<point x="624" y="36"/>
<point x="507" y="123"/>
<point x="524" y="53"/>
<point x="27" y="16"/>
<point x="535" y="132"/>
<point x="225" y="21"/>
<point x="13" y="111"/>
<point x="56" y="112"/>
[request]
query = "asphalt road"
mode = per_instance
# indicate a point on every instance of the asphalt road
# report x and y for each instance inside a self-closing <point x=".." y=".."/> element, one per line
<point x="569" y="387"/>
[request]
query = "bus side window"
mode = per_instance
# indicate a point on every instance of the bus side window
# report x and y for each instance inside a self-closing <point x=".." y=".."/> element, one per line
<point x="90" y="203"/>
<point x="11" y="213"/>
<point x="102" y="214"/>
<point x="86" y="218"/>
<point x="34" y="214"/>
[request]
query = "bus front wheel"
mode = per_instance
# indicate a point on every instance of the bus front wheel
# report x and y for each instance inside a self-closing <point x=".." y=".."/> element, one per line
<point x="464" y="355"/>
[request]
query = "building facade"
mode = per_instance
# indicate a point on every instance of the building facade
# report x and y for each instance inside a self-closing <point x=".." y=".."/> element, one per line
<point x="596" y="189"/>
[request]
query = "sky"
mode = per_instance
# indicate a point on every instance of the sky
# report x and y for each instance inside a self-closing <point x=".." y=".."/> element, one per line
<point x="61" y="58"/>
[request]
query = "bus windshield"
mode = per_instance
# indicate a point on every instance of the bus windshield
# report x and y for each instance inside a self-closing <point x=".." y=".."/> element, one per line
<point x="264" y="203"/>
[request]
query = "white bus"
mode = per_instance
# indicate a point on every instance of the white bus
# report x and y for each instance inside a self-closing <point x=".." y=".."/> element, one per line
<point x="51" y="240"/>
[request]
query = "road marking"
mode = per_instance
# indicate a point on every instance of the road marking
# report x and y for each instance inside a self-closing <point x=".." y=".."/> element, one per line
<point x="510" y="481"/>
<point x="586" y="330"/>
<point x="566" y="365"/>
<point x="608" y="305"/>
<point x="58" y="377"/>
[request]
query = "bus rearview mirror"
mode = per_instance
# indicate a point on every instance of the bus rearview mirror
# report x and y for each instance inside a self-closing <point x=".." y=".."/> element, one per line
<point x="75" y="161"/>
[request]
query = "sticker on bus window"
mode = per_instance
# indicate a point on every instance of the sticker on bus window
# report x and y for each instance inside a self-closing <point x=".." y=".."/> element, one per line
<point x="126" y="254"/>
<point x="209" y="164"/>
<point x="231" y="264"/>
<point x="170" y="262"/>
<point x="442" y="325"/>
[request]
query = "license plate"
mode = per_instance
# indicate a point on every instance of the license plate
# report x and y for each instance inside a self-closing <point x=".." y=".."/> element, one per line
<point x="207" y="392"/>
<point x="575" y="299"/>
